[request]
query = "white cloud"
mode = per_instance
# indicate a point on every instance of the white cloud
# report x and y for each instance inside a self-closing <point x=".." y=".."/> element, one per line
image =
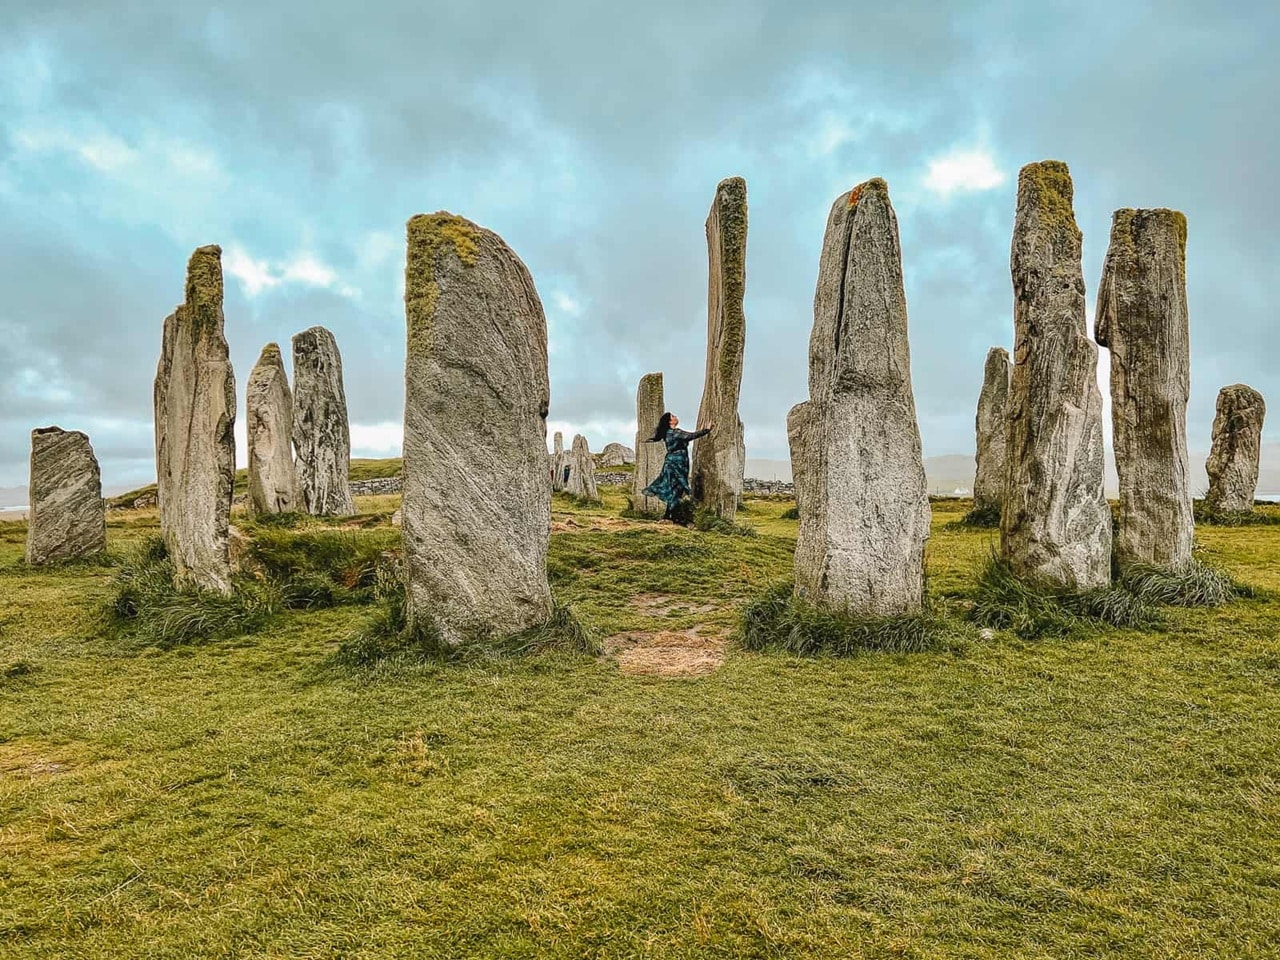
<point x="376" y="439"/>
<point x="566" y="303"/>
<point x="256" y="276"/>
<point x="963" y="170"/>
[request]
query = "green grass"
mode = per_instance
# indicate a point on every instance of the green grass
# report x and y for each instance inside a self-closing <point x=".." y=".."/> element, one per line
<point x="1110" y="792"/>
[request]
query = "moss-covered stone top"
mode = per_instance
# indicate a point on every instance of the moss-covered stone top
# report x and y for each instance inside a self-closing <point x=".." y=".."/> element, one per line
<point x="270" y="354"/>
<point x="1047" y="186"/>
<point x="427" y="235"/>
<point x="204" y="276"/>
<point x="874" y="185"/>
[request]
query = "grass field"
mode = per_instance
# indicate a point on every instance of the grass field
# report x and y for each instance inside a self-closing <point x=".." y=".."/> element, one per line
<point x="1111" y="793"/>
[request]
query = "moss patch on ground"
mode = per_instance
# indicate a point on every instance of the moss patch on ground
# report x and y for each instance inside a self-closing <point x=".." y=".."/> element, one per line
<point x="1109" y="793"/>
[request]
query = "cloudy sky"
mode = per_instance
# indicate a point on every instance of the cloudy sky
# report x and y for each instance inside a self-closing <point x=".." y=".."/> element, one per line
<point x="591" y="136"/>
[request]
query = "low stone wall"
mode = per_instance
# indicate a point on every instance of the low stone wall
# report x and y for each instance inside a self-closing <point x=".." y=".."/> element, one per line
<point x="375" y="487"/>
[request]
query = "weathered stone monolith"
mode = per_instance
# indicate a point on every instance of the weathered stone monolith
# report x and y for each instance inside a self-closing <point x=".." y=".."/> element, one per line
<point x="649" y="455"/>
<point x="321" y="431"/>
<point x="616" y="455"/>
<point x="195" y="416"/>
<point x="66" y="519"/>
<point x="477" y="509"/>
<point x="582" y="471"/>
<point x="1055" y="524"/>
<point x="559" y="460"/>
<point x="1237" y="443"/>
<point x="719" y="458"/>
<point x="988" y="479"/>
<point x="1142" y="319"/>
<point x="268" y="411"/>
<point x="864" y="509"/>
<point x="801" y="469"/>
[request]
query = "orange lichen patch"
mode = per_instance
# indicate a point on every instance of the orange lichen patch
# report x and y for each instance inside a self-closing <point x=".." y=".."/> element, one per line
<point x="854" y="194"/>
<point x="662" y="604"/>
<point x="667" y="653"/>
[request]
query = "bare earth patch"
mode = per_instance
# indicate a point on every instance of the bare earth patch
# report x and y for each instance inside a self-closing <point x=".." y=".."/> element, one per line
<point x="563" y="523"/>
<point x="667" y="653"/>
<point x="662" y="604"/>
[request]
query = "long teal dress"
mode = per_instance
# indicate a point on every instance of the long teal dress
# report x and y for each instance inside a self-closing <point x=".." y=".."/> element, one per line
<point x="672" y="483"/>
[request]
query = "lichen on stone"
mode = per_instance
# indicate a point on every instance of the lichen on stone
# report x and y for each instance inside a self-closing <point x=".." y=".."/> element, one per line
<point x="428" y="235"/>
<point x="1047" y="184"/>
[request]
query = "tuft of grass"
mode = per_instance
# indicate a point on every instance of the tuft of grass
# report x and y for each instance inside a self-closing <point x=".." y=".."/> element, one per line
<point x="708" y="522"/>
<point x="288" y="520"/>
<point x="779" y="620"/>
<point x="1204" y="514"/>
<point x="322" y="568"/>
<point x="791" y="513"/>
<point x="984" y="518"/>
<point x="1197" y="586"/>
<point x="1032" y="610"/>
<point x="144" y="605"/>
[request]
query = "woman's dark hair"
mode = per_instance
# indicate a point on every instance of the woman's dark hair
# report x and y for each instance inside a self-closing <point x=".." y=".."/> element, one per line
<point x="664" y="424"/>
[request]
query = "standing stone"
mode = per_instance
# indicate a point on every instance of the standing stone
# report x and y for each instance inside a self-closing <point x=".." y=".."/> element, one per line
<point x="616" y="455"/>
<point x="195" y="415"/>
<point x="67" y="520"/>
<point x="559" y="461"/>
<point x="1142" y="319"/>
<point x="321" y="433"/>
<point x="720" y="457"/>
<point x="988" y="480"/>
<point x="1237" y="444"/>
<point x="864" y="508"/>
<point x="477" y="510"/>
<point x="650" y="406"/>
<point x="801" y="469"/>
<point x="582" y="471"/>
<point x="268" y="409"/>
<point x="1055" y="524"/>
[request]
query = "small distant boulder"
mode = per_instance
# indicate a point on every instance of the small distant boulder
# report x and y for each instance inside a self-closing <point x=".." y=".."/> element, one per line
<point x="616" y="455"/>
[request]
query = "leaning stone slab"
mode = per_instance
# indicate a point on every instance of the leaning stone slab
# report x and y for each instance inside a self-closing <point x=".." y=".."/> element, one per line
<point x="1237" y="444"/>
<point x="992" y="432"/>
<point x="1055" y="523"/>
<point x="581" y="482"/>
<point x="195" y="415"/>
<point x="649" y="455"/>
<point x="67" y="520"/>
<point x="268" y="408"/>
<point x="477" y="508"/>
<point x="864" y="509"/>
<point x="719" y="458"/>
<point x="1142" y="319"/>
<point x="321" y="432"/>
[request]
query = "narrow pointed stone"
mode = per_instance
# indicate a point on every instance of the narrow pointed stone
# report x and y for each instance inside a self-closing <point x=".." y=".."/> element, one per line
<point x="477" y="506"/>
<point x="66" y="520"/>
<point x="559" y="460"/>
<point x="582" y="471"/>
<point x="1237" y="443"/>
<point x="321" y="431"/>
<point x="992" y="432"/>
<point x="719" y="458"/>
<point x="268" y="410"/>
<point x="801" y="469"/>
<point x="195" y="415"/>
<point x="864" y="509"/>
<point x="1055" y="524"/>
<point x="650" y="406"/>
<point x="1142" y="319"/>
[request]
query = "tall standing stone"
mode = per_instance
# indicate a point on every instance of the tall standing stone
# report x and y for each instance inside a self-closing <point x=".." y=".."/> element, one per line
<point x="1237" y="444"/>
<point x="559" y="460"/>
<point x="195" y="416"/>
<point x="477" y="510"/>
<point x="650" y="406"/>
<point x="66" y="520"/>
<point x="1142" y="319"/>
<point x="801" y="469"/>
<point x="1055" y="524"/>
<point x="864" y="508"/>
<point x="321" y="432"/>
<point x="720" y="457"/>
<point x="582" y="471"/>
<point x="268" y="410"/>
<point x="992" y="432"/>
